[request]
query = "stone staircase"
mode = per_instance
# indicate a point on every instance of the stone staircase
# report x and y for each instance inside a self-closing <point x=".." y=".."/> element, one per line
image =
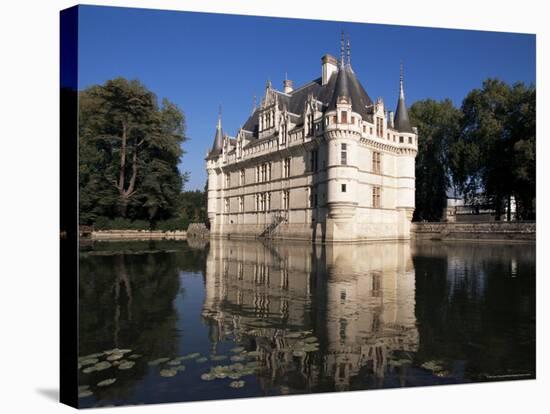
<point x="271" y="227"/>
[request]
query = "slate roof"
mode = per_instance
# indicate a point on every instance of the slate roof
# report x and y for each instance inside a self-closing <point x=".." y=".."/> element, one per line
<point x="218" y="141"/>
<point x="401" y="119"/>
<point x="341" y="82"/>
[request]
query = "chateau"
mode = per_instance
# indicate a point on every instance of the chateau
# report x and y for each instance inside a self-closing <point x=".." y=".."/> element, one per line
<point x="321" y="162"/>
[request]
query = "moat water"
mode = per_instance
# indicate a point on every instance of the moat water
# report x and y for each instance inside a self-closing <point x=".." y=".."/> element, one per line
<point x="168" y="321"/>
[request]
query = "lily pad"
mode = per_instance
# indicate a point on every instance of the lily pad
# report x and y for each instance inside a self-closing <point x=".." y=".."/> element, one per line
<point x="180" y="368"/>
<point x="292" y="335"/>
<point x="236" y="384"/>
<point x="299" y="353"/>
<point x="114" y="356"/>
<point x="208" y="376"/>
<point x="432" y="365"/>
<point x="236" y="358"/>
<point x="191" y="356"/>
<point x="168" y="372"/>
<point x="158" y="361"/>
<point x="89" y="361"/>
<point x="126" y="365"/>
<point x="254" y="353"/>
<point x="237" y="349"/>
<point x="201" y="360"/>
<point x="107" y="382"/>
<point x="85" y="393"/>
<point x="134" y="356"/>
<point x="102" y="366"/>
<point x="83" y="387"/>
<point x="88" y="370"/>
<point x="310" y="339"/>
<point x="218" y="357"/>
<point x="174" y="362"/>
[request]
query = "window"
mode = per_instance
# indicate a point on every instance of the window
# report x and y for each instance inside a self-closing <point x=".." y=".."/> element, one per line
<point x="312" y="197"/>
<point x="334" y="119"/>
<point x="257" y="173"/>
<point x="227" y="180"/>
<point x="269" y="171"/>
<point x="410" y="140"/>
<point x="267" y="201"/>
<point x="400" y="140"/>
<point x="364" y="129"/>
<point x="286" y="168"/>
<point x="376" y="166"/>
<point x="310" y="125"/>
<point x="379" y="127"/>
<point x="376" y="197"/>
<point x="313" y="157"/>
<point x="286" y="199"/>
<point x="343" y="188"/>
<point x="344" y="117"/>
<point x="226" y="205"/>
<point x="353" y="120"/>
<point x="241" y="204"/>
<point x="241" y="177"/>
<point x="344" y="154"/>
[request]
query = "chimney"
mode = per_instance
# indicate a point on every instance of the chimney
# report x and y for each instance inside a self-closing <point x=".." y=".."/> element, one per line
<point x="329" y="66"/>
<point x="288" y="86"/>
<point x="390" y="119"/>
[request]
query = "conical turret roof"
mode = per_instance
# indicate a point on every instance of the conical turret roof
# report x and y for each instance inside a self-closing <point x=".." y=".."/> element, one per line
<point x="218" y="138"/>
<point x="401" y="120"/>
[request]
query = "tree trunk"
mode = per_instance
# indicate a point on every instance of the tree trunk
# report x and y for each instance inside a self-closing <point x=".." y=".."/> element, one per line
<point x="126" y="193"/>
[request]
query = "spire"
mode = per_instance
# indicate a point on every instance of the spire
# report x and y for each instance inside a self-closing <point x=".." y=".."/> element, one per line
<point x="401" y="91"/>
<point x="349" y="52"/>
<point x="342" y="50"/>
<point x="218" y="138"/>
<point x="401" y="119"/>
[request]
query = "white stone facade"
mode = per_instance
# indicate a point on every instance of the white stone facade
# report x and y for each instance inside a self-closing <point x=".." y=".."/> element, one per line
<point x="322" y="162"/>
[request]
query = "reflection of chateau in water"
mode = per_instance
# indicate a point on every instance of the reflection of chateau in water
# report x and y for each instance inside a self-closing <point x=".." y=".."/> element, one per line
<point x="357" y="299"/>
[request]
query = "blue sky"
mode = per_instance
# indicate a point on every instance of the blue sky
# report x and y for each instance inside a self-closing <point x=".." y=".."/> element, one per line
<point x="201" y="60"/>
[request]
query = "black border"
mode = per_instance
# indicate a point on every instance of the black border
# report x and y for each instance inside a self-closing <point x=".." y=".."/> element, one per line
<point x="68" y="127"/>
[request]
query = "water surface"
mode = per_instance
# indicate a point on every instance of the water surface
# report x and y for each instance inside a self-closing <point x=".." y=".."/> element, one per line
<point x="289" y="318"/>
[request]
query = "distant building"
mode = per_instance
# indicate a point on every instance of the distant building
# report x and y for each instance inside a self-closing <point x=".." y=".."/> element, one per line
<point x="320" y="162"/>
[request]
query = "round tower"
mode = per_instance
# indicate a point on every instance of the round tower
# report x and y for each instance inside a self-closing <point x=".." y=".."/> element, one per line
<point x="342" y="133"/>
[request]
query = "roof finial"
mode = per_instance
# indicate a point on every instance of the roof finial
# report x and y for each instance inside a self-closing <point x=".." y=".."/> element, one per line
<point x="254" y="103"/>
<point x="342" y="50"/>
<point x="220" y="116"/>
<point x="349" y="51"/>
<point x="401" y="91"/>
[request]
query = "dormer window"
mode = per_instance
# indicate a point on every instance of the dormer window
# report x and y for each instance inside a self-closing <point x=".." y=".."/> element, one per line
<point x="344" y="117"/>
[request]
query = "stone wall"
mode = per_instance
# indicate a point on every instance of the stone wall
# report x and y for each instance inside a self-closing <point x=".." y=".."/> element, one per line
<point x="137" y="234"/>
<point x="503" y="230"/>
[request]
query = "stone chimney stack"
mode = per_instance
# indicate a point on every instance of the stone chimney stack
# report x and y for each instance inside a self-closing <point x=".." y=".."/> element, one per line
<point x="329" y="66"/>
<point x="288" y="86"/>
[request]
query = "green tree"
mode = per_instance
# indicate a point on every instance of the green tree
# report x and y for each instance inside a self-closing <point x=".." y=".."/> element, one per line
<point x="495" y="155"/>
<point x="438" y="126"/>
<point x="130" y="148"/>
